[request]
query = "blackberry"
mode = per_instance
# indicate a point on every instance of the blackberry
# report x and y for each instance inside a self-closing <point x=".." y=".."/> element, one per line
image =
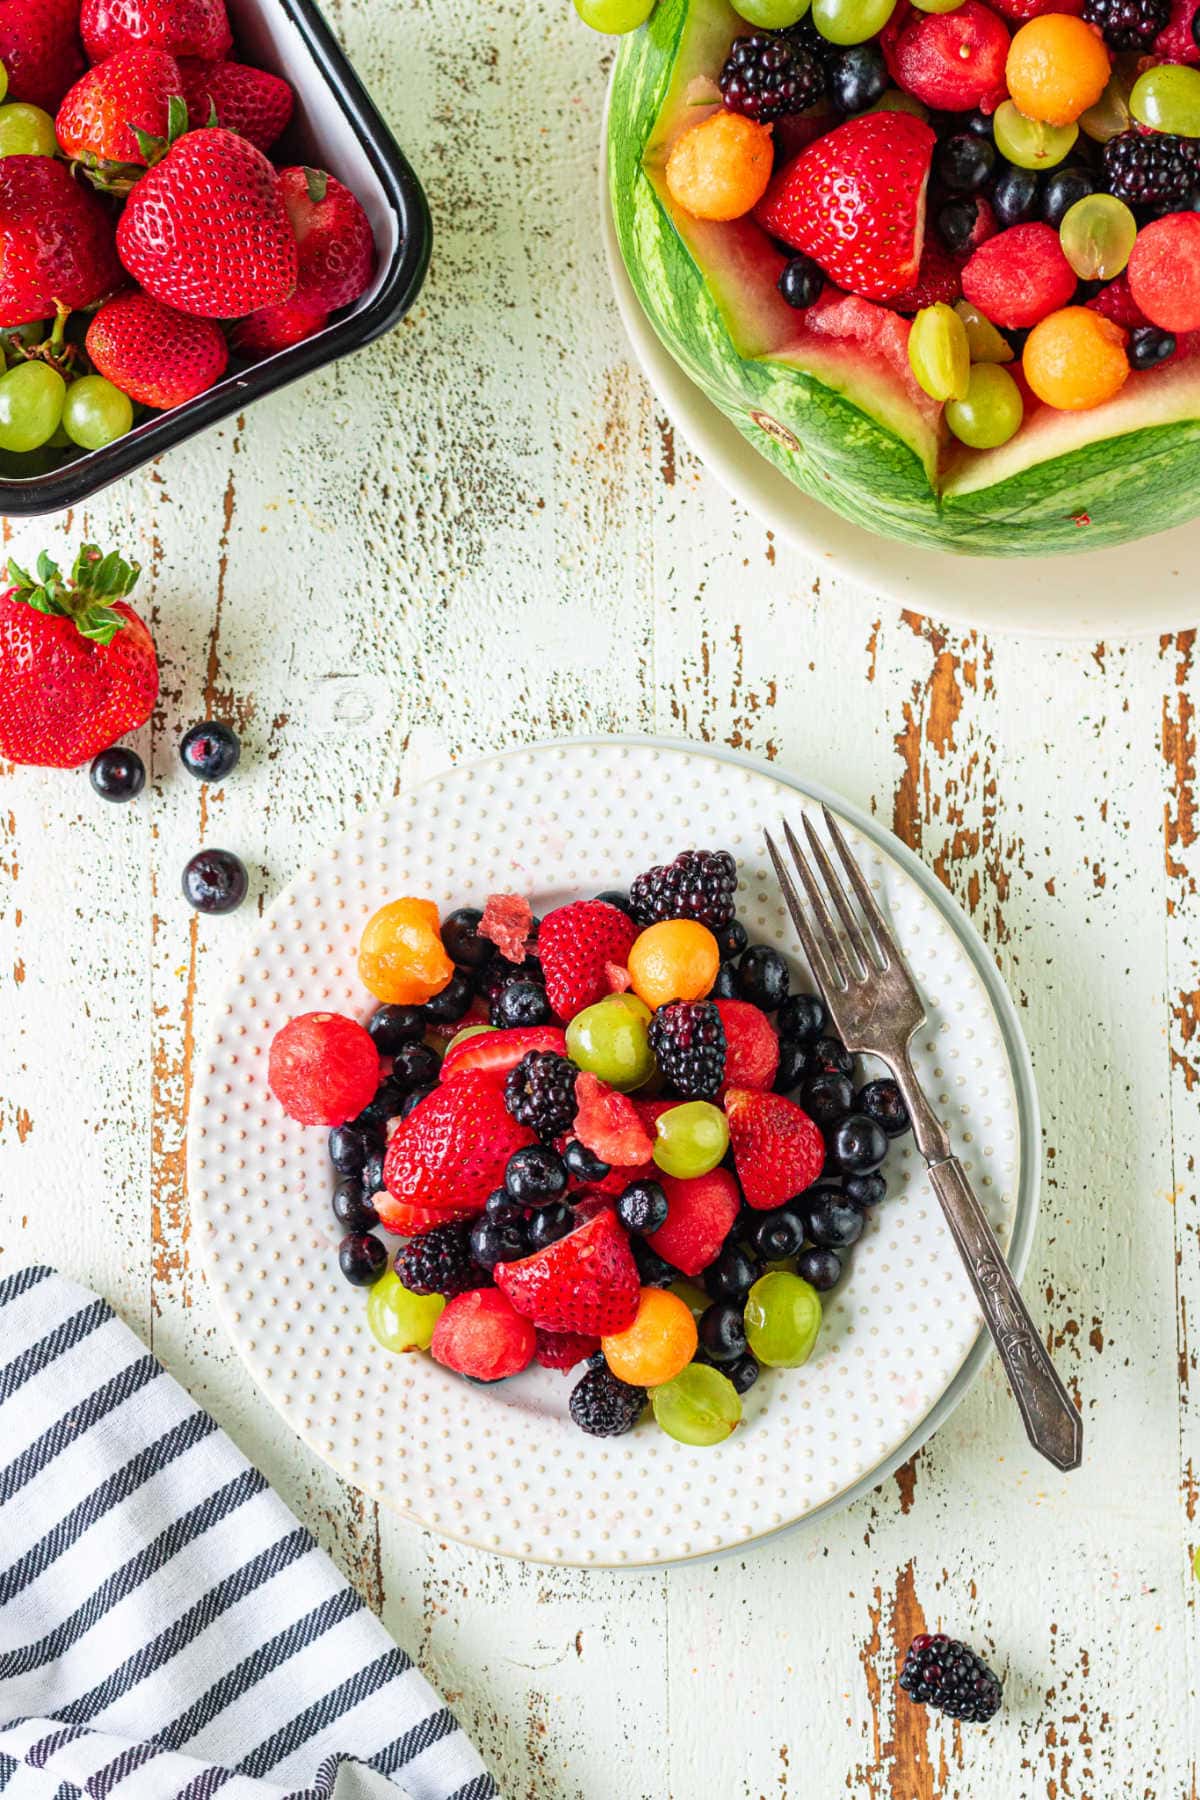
<point x="1128" y="24"/>
<point x="688" y="1041"/>
<point x="940" y="1672"/>
<point x="699" y="884"/>
<point x="1150" y="169"/>
<point x="540" y="1093"/>
<point x="768" y="77"/>
<point x="438" y="1263"/>
<point x="605" y="1407"/>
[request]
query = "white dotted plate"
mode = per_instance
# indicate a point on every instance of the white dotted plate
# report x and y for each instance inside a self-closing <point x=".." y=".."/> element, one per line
<point x="504" y="1468"/>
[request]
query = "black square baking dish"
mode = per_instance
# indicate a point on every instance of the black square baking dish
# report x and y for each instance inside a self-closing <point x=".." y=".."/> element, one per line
<point x="335" y="126"/>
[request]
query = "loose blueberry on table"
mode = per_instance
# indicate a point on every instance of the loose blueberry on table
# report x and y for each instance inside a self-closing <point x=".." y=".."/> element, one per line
<point x="582" y="1133"/>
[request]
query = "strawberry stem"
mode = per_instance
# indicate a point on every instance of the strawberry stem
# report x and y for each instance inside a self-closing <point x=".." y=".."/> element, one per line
<point x="85" y="596"/>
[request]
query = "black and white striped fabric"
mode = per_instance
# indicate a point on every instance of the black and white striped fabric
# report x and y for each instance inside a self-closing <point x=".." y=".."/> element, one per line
<point x="167" y="1630"/>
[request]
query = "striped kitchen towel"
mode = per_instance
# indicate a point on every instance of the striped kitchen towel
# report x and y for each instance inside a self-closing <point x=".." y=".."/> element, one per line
<point x="167" y="1630"/>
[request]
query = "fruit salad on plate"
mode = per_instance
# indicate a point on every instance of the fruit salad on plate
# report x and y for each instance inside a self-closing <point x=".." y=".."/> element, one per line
<point x="939" y="260"/>
<point x="146" y="236"/>
<point x="611" y="1141"/>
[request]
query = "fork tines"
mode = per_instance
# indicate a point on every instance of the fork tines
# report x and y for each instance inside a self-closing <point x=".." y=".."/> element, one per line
<point x="863" y="946"/>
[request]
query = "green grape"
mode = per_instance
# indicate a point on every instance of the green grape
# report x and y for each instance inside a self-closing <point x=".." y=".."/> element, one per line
<point x="991" y="410"/>
<point x="26" y="131"/>
<point x="771" y="15"/>
<point x="1109" y="116"/>
<point x="1196" y="1565"/>
<point x="783" y="1317"/>
<point x="95" y="412"/>
<point x="701" y="1406"/>
<point x="31" y="404"/>
<point x="985" y="343"/>
<point x="614" y="17"/>
<point x="1028" y="142"/>
<point x="1098" y="234"/>
<point x="691" y="1139"/>
<point x="938" y="352"/>
<point x="851" y="21"/>
<point x="938" y="6"/>
<point x="1167" y="98"/>
<point x="399" y="1320"/>
<point x="468" y="1031"/>
<point x="896" y="100"/>
<point x="3" y="81"/>
<point x="610" y="1040"/>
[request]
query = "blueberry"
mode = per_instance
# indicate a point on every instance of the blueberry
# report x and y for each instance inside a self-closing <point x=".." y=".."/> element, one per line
<point x="955" y="223"/>
<point x="821" y="1268"/>
<point x="1062" y="188"/>
<point x="415" y="1096"/>
<point x="763" y="977"/>
<point x="502" y="1209"/>
<point x="215" y="881"/>
<point x="826" y="1098"/>
<point x="743" y="1373"/>
<point x="349" y="1147"/>
<point x="582" y="1163"/>
<point x="965" y="162"/>
<point x="859" y="1144"/>
<point x="535" y="1175"/>
<point x="352" y="1211"/>
<point x="118" y="774"/>
<point x="461" y="940"/>
<point x="1148" y="346"/>
<point x="856" y="78"/>
<point x="722" y="1332"/>
<point x="520" y="1003"/>
<point x="653" y="1269"/>
<point x="452" y="1002"/>
<point x="777" y="1234"/>
<point x="615" y="897"/>
<point x="800" y="282"/>
<point x="415" y="1065"/>
<point x="829" y="1056"/>
<point x="393" y="1026"/>
<point x="1015" y="194"/>
<point x="210" y="751"/>
<point x="882" y="1101"/>
<point x="731" y="939"/>
<point x="491" y="1244"/>
<point x="802" y="1018"/>
<point x="725" y="987"/>
<point x="642" y="1207"/>
<point x="372" y="1175"/>
<point x="865" y="1190"/>
<point x="978" y="122"/>
<point x="548" y="1224"/>
<point x="361" y="1258"/>
<point x="732" y="1274"/>
<point x="833" y="1222"/>
<point x="793" y="1066"/>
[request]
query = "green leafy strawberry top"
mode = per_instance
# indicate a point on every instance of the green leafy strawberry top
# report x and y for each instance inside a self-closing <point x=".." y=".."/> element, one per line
<point x="86" y="596"/>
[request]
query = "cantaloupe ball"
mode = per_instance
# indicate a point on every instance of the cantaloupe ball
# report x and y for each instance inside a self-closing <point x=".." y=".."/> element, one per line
<point x="1075" y="359"/>
<point x="719" y="168"/>
<point x="1057" y="67"/>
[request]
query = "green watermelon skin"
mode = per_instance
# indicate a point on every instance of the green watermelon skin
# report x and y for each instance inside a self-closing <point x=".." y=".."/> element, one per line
<point x="833" y="419"/>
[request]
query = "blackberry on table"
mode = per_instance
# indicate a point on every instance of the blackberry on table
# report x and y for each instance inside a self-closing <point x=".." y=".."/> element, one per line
<point x="688" y="1041"/>
<point x="438" y="1263"/>
<point x="540" y="1093"/>
<point x="605" y="1407"/>
<point x="1128" y="24"/>
<point x="768" y="77"/>
<point x="699" y="884"/>
<point x="940" y="1672"/>
<point x="1150" y="169"/>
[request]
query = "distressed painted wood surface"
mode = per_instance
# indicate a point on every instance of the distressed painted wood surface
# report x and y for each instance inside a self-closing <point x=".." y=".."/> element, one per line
<point x="480" y="532"/>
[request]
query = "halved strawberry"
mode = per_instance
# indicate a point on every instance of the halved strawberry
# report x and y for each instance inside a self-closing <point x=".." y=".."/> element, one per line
<point x="703" y="1209"/>
<point x="403" y="1220"/>
<point x="496" y="1052"/>
<point x="563" y="1349"/>
<point x="751" y="1046"/>
<point x="451" y="1151"/>
<point x="608" y="1125"/>
<point x="777" y="1149"/>
<point x="576" y="946"/>
<point x="586" y="1283"/>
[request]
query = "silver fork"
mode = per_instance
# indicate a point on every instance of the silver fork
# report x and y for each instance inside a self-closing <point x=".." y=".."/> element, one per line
<point x="875" y="1007"/>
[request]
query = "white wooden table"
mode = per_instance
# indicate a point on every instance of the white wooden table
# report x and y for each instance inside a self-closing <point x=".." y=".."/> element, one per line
<point x="480" y="532"/>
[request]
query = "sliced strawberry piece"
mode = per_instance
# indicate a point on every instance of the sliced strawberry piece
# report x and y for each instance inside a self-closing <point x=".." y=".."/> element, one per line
<point x="777" y="1149"/>
<point x="507" y="922"/>
<point x="586" y="1283"/>
<point x="576" y="946"/>
<point x="496" y="1052"/>
<point x="451" y="1151"/>
<point x="703" y="1209"/>
<point x="563" y="1349"/>
<point x="403" y="1220"/>
<point x="608" y="1125"/>
<point x="481" y="1335"/>
<point x="751" y="1046"/>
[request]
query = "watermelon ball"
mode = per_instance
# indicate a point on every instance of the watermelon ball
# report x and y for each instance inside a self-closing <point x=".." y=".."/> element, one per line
<point x="1164" y="271"/>
<point x="719" y="168"/>
<point x="323" y="1069"/>
<point x="1056" y="68"/>
<point x="953" y="61"/>
<point x="1019" y="276"/>
<point x="1075" y="359"/>
<point x="482" y="1336"/>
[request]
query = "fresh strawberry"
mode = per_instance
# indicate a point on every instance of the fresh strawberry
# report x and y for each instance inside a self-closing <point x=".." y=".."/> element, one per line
<point x="586" y="1282"/>
<point x="608" y="1125"/>
<point x="274" y="328"/>
<point x="206" y="230"/>
<point x="507" y="922"/>
<point x="252" y="102"/>
<point x="777" y="1149"/>
<point x="702" y="1212"/>
<point x="451" y="1151"/>
<point x="403" y="1220"/>
<point x="156" y="355"/>
<point x="77" y="665"/>
<point x="576" y="944"/>
<point x="496" y="1052"/>
<point x="855" y="202"/>
<point x="939" y="278"/>
<point x="40" y="49"/>
<point x="563" y="1349"/>
<point x="481" y="1335"/>
<point x="751" y="1046"/>
<point x="56" y="241"/>
<point x="337" y="245"/>
<point x="184" y="27"/>
<point x="115" y="112"/>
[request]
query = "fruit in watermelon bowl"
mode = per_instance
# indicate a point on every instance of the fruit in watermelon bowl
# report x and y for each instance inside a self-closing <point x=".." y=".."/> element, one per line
<point x="864" y="321"/>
